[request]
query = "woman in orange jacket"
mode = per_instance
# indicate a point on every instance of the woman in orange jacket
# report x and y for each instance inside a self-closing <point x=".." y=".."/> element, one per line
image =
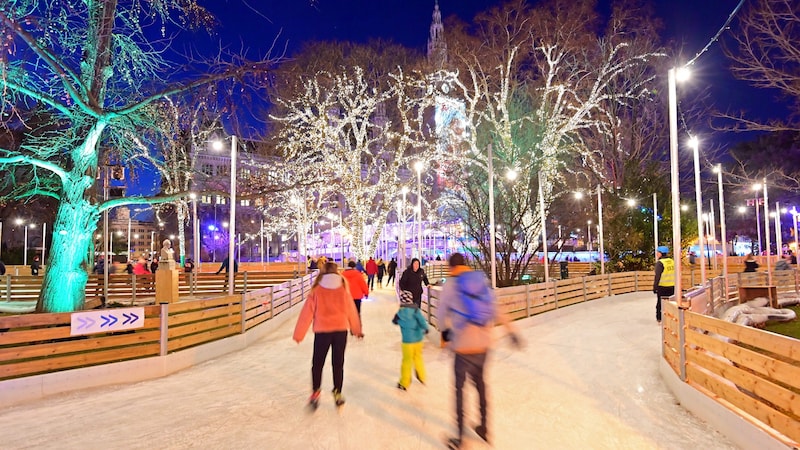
<point x="357" y="284"/>
<point x="332" y="311"/>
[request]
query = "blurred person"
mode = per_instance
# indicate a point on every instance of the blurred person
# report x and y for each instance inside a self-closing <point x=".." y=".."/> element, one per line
<point x="371" y="270"/>
<point x="332" y="312"/>
<point x="2" y="267"/>
<point x="391" y="269"/>
<point x="140" y="268"/>
<point x="468" y="312"/>
<point x="381" y="271"/>
<point x="35" y="266"/>
<point x="357" y="286"/>
<point x="188" y="265"/>
<point x="750" y="263"/>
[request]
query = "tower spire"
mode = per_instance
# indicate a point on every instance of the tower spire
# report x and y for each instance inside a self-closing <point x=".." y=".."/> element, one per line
<point x="437" y="47"/>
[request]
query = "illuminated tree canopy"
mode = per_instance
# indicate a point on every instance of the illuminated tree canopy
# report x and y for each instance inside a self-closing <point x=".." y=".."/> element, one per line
<point x="97" y="68"/>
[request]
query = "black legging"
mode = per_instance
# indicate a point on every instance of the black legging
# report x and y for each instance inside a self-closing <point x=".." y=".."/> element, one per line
<point x="323" y="341"/>
<point x="470" y="365"/>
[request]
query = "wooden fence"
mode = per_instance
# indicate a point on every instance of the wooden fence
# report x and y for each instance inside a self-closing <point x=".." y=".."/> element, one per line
<point x="518" y="302"/>
<point x="752" y="372"/>
<point x="39" y="343"/>
<point x="124" y="288"/>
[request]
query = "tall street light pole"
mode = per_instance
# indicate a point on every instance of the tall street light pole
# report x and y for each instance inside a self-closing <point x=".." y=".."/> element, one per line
<point x="232" y="219"/>
<point x="698" y="194"/>
<point x="403" y="228"/>
<point x="418" y="166"/>
<point x="722" y="229"/>
<point x="492" y="250"/>
<point x="655" y="225"/>
<point x="195" y="232"/>
<point x="766" y="232"/>
<point x="600" y="231"/>
<point x="544" y="231"/>
<point x="756" y="188"/>
<point x="672" y="76"/>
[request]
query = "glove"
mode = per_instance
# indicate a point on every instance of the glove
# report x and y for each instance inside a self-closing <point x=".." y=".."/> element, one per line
<point x="447" y="335"/>
<point x="396" y="319"/>
<point x="427" y="330"/>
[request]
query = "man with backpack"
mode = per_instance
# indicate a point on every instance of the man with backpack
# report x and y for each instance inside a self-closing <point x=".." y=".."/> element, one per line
<point x="468" y="313"/>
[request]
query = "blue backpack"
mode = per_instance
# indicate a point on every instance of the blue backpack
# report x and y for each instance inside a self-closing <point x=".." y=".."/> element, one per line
<point x="476" y="297"/>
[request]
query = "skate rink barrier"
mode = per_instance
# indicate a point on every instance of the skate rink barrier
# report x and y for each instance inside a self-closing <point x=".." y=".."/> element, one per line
<point x="208" y="329"/>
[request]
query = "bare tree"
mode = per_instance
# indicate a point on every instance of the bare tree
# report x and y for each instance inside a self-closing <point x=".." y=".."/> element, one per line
<point x="764" y="52"/>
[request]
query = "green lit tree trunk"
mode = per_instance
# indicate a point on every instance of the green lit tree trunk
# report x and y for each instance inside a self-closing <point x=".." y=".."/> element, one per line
<point x="64" y="284"/>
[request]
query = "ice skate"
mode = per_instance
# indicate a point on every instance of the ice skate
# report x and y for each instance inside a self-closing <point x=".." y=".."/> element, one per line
<point x="337" y="397"/>
<point x="454" y="443"/>
<point x="481" y="431"/>
<point x="313" y="401"/>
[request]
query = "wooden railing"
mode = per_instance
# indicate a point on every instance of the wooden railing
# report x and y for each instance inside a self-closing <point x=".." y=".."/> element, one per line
<point x="752" y="372"/>
<point x="124" y="288"/>
<point x="518" y="302"/>
<point x="38" y="343"/>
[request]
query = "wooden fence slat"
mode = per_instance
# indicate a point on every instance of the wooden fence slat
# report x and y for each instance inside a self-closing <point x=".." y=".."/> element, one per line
<point x="776" y="420"/>
<point x="761" y="388"/>
<point x="179" y="343"/>
<point x="752" y="360"/>
<point x="771" y="342"/>
<point x="90" y="343"/>
<point x="56" y="363"/>
<point x="197" y="327"/>
<point x="176" y="320"/>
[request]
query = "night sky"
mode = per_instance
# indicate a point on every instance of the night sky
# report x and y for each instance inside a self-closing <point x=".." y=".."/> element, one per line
<point x="254" y="24"/>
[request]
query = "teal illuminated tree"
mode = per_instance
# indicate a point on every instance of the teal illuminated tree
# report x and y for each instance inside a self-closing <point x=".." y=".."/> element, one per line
<point x="98" y="68"/>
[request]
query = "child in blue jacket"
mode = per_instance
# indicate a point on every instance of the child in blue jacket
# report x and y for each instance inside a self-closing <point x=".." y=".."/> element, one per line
<point x="413" y="328"/>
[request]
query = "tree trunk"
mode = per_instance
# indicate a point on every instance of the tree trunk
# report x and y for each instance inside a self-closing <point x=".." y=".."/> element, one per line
<point x="64" y="284"/>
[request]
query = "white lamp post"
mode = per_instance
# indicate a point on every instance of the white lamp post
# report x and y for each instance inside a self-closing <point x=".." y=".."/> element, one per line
<point x="757" y="188"/>
<point x="418" y="166"/>
<point x="672" y="77"/>
<point x="794" y="221"/>
<point x="589" y="238"/>
<point x="766" y="233"/>
<point x="403" y="228"/>
<point x="195" y="232"/>
<point x="694" y="144"/>
<point x="544" y="231"/>
<point x="600" y="231"/>
<point x="778" y="231"/>
<point x="722" y="229"/>
<point x="232" y="220"/>
<point x="492" y="250"/>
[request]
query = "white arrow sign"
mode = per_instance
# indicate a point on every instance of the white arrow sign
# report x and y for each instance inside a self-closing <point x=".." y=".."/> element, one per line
<point x="88" y="322"/>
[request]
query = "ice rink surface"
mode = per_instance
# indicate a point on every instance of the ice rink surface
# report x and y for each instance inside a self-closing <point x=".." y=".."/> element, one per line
<point x="587" y="378"/>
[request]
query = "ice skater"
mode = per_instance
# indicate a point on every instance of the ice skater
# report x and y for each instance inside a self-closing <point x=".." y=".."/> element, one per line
<point x="468" y="312"/>
<point x="333" y="312"/>
<point x="413" y="328"/>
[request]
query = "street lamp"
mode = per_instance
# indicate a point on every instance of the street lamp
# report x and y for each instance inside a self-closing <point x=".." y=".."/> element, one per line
<point x="544" y="231"/>
<point x="232" y="230"/>
<point x="418" y="166"/>
<point x="794" y="221"/>
<point x="695" y="145"/>
<point x="757" y="188"/>
<point x="722" y="229"/>
<point x="403" y="229"/>
<point x="195" y="232"/>
<point x="589" y="238"/>
<point x="674" y="75"/>
<point x="766" y="232"/>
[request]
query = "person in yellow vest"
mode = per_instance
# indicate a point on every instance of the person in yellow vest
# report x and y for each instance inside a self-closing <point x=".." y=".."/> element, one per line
<point x="664" y="283"/>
